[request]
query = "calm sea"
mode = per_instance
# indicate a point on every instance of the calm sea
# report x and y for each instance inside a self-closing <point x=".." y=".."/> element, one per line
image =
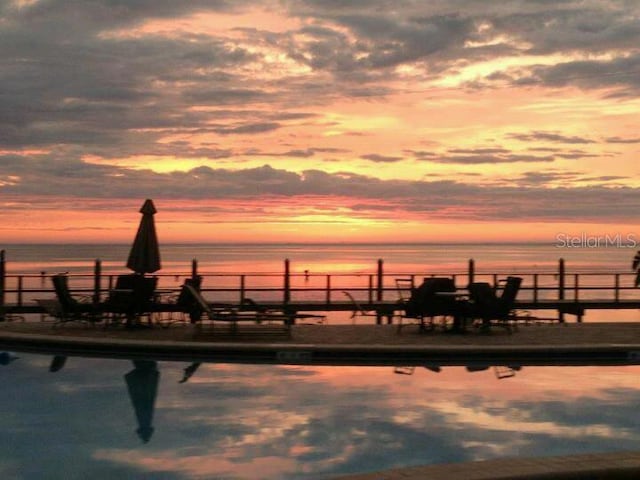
<point x="322" y="258"/>
<point x="91" y="417"/>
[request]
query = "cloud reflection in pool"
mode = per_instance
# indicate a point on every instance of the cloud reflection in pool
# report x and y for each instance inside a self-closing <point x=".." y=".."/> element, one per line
<point x="247" y="421"/>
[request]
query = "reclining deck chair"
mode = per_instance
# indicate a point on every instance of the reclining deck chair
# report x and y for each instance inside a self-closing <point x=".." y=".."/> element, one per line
<point x="491" y="309"/>
<point x="183" y="308"/>
<point x="70" y="308"/>
<point x="199" y="307"/>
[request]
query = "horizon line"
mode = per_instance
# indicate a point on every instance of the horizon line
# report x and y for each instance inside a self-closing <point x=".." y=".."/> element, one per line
<point x="347" y="243"/>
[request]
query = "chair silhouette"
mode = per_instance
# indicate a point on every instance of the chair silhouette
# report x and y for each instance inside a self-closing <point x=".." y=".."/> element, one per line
<point x="491" y="309"/>
<point x="358" y="309"/>
<point x="70" y="308"/>
<point x="233" y="316"/>
<point x="404" y="288"/>
<point x="185" y="301"/>
<point x="425" y="303"/>
<point x="131" y="298"/>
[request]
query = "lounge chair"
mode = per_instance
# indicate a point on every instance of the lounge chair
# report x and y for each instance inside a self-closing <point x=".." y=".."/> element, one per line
<point x="358" y="309"/>
<point x="199" y="307"/>
<point x="491" y="309"/>
<point x="70" y="308"/>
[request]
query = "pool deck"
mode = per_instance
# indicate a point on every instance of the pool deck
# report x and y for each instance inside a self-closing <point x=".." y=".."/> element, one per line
<point x="365" y="344"/>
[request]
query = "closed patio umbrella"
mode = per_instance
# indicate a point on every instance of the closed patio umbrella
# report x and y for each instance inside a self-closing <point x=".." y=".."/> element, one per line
<point x="145" y="253"/>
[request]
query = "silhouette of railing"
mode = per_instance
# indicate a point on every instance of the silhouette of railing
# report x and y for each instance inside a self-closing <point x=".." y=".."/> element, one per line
<point x="318" y="291"/>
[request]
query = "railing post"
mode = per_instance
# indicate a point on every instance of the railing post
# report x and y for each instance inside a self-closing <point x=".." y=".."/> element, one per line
<point x="380" y="288"/>
<point x="561" y="287"/>
<point x="472" y="271"/>
<point x="617" y="288"/>
<point x="19" y="290"/>
<point x="561" y="279"/>
<point x="576" y="286"/>
<point x="535" y="288"/>
<point x="43" y="282"/>
<point x="194" y="269"/>
<point x="328" y="290"/>
<point x="97" y="281"/>
<point x="370" y="289"/>
<point x="3" y="273"/>
<point x="287" y="282"/>
<point x="242" y="289"/>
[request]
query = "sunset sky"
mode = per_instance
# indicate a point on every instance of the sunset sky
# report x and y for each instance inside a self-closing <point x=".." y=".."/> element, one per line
<point x="319" y="120"/>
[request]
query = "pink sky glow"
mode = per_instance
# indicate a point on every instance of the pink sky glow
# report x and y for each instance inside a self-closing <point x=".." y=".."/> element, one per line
<point x="319" y="121"/>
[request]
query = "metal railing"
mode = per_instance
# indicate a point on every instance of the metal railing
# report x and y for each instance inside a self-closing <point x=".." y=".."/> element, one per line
<point x="372" y="287"/>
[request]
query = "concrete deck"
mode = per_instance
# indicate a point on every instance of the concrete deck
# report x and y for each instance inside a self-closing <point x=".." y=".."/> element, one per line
<point x="546" y="344"/>
<point x="609" y="466"/>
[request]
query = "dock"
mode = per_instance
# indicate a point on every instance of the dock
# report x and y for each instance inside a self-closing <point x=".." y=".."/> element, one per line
<point x="568" y="344"/>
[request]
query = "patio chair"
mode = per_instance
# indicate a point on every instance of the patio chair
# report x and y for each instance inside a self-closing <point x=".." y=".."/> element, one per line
<point x="70" y="308"/>
<point x="404" y="288"/>
<point x="131" y="298"/>
<point x="188" y="306"/>
<point x="182" y="305"/>
<point x="491" y="309"/>
<point x="425" y="305"/>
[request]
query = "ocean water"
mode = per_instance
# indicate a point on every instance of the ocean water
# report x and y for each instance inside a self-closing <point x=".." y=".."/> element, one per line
<point x="109" y="418"/>
<point x="327" y="258"/>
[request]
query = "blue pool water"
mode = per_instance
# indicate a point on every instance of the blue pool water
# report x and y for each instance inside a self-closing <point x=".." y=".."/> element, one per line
<point x="272" y="422"/>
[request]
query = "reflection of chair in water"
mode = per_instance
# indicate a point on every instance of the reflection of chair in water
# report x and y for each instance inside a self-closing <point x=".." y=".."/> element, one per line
<point x="500" y="371"/>
<point x="7" y="357"/>
<point x="57" y="363"/>
<point x="132" y="297"/>
<point x="142" y="384"/>
<point x="491" y="309"/>
<point x="425" y="303"/>
<point x="70" y="308"/>
<point x="189" y="371"/>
